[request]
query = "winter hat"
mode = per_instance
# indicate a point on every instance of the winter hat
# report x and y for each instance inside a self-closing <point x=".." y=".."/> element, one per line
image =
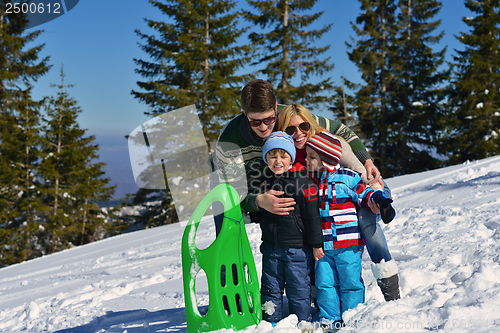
<point x="328" y="148"/>
<point x="279" y="140"/>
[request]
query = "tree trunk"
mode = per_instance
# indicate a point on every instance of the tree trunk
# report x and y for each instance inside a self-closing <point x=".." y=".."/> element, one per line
<point x="206" y="69"/>
<point x="284" y="78"/>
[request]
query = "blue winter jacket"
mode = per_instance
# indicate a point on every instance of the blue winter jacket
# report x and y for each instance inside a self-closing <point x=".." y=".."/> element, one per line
<point x="340" y="193"/>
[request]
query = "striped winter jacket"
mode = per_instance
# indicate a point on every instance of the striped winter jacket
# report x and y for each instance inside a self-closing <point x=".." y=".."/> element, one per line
<point x="340" y="193"/>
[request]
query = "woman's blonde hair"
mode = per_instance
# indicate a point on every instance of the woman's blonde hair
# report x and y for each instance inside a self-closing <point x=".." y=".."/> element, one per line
<point x="291" y="110"/>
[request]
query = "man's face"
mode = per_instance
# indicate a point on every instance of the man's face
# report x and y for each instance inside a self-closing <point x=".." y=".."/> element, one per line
<point x="261" y="118"/>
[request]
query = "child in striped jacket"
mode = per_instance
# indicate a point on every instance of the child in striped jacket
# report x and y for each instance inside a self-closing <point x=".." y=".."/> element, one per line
<point x="341" y="191"/>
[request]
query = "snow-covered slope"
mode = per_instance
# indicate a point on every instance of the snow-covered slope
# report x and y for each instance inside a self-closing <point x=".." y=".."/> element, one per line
<point x="445" y="238"/>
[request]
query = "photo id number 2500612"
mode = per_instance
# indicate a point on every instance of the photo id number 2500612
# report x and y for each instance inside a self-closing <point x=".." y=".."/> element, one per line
<point x="25" y="8"/>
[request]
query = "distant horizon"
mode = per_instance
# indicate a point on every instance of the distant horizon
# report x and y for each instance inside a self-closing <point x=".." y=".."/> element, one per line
<point x="116" y="158"/>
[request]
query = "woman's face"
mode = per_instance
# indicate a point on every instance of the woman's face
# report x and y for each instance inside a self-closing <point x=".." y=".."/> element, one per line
<point x="299" y="137"/>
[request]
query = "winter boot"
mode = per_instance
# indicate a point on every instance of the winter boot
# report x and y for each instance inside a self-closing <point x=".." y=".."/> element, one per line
<point x="386" y="274"/>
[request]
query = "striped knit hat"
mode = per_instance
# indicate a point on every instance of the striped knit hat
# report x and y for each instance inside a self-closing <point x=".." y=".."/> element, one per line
<point x="279" y="140"/>
<point x="328" y="148"/>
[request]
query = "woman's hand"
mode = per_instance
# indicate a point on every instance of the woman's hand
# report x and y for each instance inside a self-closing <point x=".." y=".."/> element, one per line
<point x="372" y="171"/>
<point x="274" y="205"/>
<point x="318" y="253"/>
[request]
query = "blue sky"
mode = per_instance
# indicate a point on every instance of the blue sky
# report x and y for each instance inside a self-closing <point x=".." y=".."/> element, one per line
<point x="96" y="44"/>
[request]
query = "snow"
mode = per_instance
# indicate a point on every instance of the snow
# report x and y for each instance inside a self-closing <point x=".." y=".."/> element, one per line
<point x="445" y="240"/>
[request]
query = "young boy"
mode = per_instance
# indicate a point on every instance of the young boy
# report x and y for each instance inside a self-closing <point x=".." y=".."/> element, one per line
<point x="341" y="191"/>
<point x="287" y="240"/>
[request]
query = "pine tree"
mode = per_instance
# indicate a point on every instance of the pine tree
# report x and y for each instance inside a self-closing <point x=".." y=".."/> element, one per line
<point x="73" y="183"/>
<point x="400" y="103"/>
<point x="417" y="90"/>
<point x="343" y="103"/>
<point x="17" y="63"/>
<point x="193" y="60"/>
<point x="94" y="222"/>
<point x="22" y="205"/>
<point x="376" y="29"/>
<point x="288" y="50"/>
<point x="20" y="200"/>
<point x="474" y="98"/>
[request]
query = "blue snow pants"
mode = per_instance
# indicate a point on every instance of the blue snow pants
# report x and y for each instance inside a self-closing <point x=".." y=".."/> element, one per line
<point x="339" y="282"/>
<point x="372" y="233"/>
<point x="285" y="268"/>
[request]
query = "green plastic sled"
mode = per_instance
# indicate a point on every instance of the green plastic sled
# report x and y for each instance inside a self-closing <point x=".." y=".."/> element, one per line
<point x="233" y="287"/>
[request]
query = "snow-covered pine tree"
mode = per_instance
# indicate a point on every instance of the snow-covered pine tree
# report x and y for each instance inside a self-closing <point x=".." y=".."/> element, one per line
<point x="20" y="201"/>
<point x="93" y="222"/>
<point x="73" y="181"/>
<point x="22" y="206"/>
<point x="288" y="50"/>
<point x="473" y="119"/>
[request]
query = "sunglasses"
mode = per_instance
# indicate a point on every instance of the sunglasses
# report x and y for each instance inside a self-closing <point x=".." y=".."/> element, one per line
<point x="267" y="121"/>
<point x="304" y="127"/>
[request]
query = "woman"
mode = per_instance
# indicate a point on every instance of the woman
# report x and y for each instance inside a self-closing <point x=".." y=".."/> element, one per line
<point x="300" y="124"/>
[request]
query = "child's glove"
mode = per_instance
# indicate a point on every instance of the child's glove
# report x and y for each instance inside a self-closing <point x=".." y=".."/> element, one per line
<point x="386" y="211"/>
<point x="381" y="199"/>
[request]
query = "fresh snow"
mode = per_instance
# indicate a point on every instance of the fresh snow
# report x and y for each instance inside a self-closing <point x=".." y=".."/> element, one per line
<point x="445" y="240"/>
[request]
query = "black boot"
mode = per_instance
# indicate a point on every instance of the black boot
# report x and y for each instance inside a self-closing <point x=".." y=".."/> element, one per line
<point x="390" y="287"/>
<point x="386" y="274"/>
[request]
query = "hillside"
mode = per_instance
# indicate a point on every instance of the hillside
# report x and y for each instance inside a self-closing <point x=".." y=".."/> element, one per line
<point x="445" y="239"/>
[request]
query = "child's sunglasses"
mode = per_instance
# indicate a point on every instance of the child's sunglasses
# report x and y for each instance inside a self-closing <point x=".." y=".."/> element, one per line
<point x="267" y="121"/>
<point x="304" y="127"/>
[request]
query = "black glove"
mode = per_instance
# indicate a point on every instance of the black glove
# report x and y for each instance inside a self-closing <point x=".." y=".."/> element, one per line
<point x="386" y="211"/>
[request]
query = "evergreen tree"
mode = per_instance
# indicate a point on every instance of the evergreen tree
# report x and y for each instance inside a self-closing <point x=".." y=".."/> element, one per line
<point x="21" y="205"/>
<point x="93" y="222"/>
<point x="343" y="103"/>
<point x="193" y="60"/>
<point x="399" y="105"/>
<point x="155" y="208"/>
<point x="376" y="29"/>
<point x="288" y="50"/>
<point x="417" y="90"/>
<point x="473" y="120"/>
<point x="73" y="183"/>
<point x="17" y="63"/>
<point x="20" y="200"/>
